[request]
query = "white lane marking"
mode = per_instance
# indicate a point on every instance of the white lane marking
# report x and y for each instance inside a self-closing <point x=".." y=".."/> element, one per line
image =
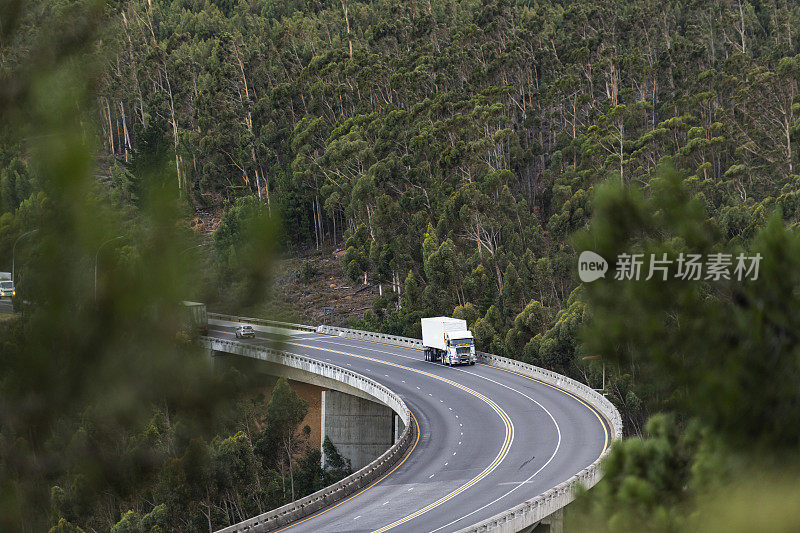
<point x="446" y="464"/>
<point x="384" y="503"/>
<point x="431" y="476"/>
<point x="409" y="490"/>
<point x="501" y="454"/>
<point x="550" y="459"/>
<point x="356" y="518"/>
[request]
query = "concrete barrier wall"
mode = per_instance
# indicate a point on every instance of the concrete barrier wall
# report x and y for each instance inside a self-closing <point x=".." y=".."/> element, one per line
<point x="334" y="493"/>
<point x="261" y="321"/>
<point x="534" y="510"/>
<point x="370" y="336"/>
<point x="361" y="429"/>
<point x="537" y="508"/>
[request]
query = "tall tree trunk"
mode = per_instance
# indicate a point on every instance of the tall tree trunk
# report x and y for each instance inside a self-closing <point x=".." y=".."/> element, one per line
<point x="128" y="145"/>
<point x="110" y="129"/>
<point x="741" y="30"/>
<point x="314" y="211"/>
<point x="291" y="470"/>
<point x="319" y="218"/>
<point x="347" y="22"/>
<point x="181" y="183"/>
<point x="787" y="129"/>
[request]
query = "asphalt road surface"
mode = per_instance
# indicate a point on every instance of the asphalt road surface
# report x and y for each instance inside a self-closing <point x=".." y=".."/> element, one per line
<point x="489" y="439"/>
<point x="5" y="305"/>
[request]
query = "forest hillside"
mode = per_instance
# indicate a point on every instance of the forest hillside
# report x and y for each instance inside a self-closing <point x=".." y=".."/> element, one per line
<point x="459" y="154"/>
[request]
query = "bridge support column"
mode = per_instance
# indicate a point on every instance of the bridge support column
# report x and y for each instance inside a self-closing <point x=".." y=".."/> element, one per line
<point x="399" y="427"/>
<point x="551" y="524"/>
<point x="361" y="430"/>
<point x="220" y="361"/>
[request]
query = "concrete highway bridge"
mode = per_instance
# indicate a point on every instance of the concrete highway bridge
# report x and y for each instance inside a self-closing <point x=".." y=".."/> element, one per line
<point x="499" y="446"/>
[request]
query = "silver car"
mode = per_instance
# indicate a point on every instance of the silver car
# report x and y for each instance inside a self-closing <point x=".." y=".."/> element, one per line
<point x="245" y="332"/>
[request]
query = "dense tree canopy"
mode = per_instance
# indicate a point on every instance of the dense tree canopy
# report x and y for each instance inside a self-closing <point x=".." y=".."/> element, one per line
<point x="452" y="150"/>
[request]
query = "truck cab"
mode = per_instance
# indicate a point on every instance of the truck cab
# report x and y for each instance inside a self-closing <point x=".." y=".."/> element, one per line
<point x="460" y="348"/>
<point x="7" y="289"/>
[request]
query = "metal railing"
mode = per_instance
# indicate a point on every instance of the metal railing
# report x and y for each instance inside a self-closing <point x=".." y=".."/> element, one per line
<point x="261" y="322"/>
<point x="533" y="510"/>
<point x="308" y="505"/>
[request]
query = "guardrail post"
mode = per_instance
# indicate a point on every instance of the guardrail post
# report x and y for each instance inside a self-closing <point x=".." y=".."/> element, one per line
<point x="530" y="512"/>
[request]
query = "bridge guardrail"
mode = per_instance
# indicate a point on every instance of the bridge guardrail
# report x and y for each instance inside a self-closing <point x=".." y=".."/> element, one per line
<point x="261" y="322"/>
<point x="370" y="335"/>
<point x="331" y="494"/>
<point x="534" y="510"/>
<point x="545" y="504"/>
<point x="539" y="507"/>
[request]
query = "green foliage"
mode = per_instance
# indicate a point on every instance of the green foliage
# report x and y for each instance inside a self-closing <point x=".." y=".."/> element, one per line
<point x="645" y="480"/>
<point x="64" y="526"/>
<point x="108" y="421"/>
<point x="462" y="144"/>
<point x="280" y="441"/>
<point x="719" y="354"/>
<point x="131" y="522"/>
<point x="453" y="149"/>
<point x="699" y="343"/>
<point x="308" y="271"/>
<point x="337" y="467"/>
<point x="245" y="242"/>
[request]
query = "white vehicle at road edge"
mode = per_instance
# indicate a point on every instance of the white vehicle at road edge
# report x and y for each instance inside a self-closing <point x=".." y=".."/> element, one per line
<point x="7" y="289"/>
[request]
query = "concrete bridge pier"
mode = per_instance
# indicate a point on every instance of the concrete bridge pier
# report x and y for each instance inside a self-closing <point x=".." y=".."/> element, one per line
<point x="550" y="524"/>
<point x="361" y="430"/>
<point x="399" y="427"/>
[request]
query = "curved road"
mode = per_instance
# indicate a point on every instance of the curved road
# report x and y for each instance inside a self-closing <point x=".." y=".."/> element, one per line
<point x="489" y="439"/>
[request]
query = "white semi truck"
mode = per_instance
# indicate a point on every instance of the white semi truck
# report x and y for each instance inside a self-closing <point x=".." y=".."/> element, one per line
<point x="448" y="340"/>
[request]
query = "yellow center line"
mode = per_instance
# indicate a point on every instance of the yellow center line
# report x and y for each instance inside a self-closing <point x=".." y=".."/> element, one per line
<point x="497" y="460"/>
<point x="588" y="406"/>
<point x="509" y="434"/>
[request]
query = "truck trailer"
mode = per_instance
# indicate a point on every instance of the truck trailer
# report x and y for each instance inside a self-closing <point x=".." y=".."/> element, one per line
<point x="448" y="341"/>
<point x="195" y="318"/>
